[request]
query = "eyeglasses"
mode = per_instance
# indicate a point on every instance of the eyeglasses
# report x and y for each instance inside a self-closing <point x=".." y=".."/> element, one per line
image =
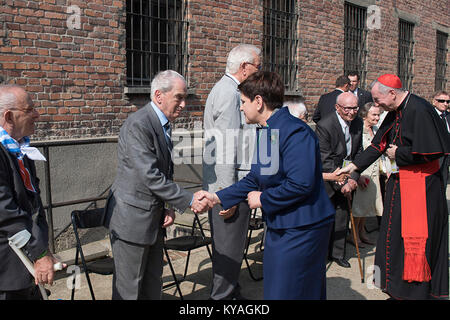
<point x="257" y="66"/>
<point x="348" y="109"/>
<point x="442" y="101"/>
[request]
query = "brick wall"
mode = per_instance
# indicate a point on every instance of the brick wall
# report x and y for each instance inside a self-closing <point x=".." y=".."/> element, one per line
<point x="77" y="77"/>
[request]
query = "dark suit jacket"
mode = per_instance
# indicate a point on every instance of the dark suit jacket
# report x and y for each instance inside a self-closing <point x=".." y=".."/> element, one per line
<point x="363" y="97"/>
<point x="326" y="104"/>
<point x="332" y="146"/>
<point x="19" y="210"/>
<point x="144" y="180"/>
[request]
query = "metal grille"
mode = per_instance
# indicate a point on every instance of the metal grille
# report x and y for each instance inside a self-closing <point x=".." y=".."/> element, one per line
<point x="280" y="39"/>
<point x="355" y="48"/>
<point x="405" y="53"/>
<point x="156" y="39"/>
<point x="441" y="61"/>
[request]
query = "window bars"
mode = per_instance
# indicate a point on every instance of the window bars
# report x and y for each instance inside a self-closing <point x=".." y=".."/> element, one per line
<point x="441" y="61"/>
<point x="405" y="53"/>
<point x="156" y="37"/>
<point x="280" y="40"/>
<point x="355" y="43"/>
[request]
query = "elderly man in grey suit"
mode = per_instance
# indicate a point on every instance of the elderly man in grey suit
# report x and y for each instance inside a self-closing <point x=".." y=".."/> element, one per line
<point x="143" y="194"/>
<point x="226" y="159"/>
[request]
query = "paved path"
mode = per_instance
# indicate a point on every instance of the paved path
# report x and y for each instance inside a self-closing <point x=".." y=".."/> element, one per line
<point x="342" y="284"/>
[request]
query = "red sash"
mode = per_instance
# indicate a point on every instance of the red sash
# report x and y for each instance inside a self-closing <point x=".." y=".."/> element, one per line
<point x="414" y="219"/>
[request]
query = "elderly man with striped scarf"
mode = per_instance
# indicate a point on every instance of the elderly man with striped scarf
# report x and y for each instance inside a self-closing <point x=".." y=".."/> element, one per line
<point x="22" y="217"/>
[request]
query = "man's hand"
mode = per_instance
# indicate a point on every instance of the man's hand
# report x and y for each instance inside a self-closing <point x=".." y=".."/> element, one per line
<point x="169" y="218"/>
<point x="226" y="214"/>
<point x="363" y="182"/>
<point x="349" y="187"/>
<point x="347" y="169"/>
<point x="253" y="199"/>
<point x="390" y="152"/>
<point x="203" y="201"/>
<point x="43" y="269"/>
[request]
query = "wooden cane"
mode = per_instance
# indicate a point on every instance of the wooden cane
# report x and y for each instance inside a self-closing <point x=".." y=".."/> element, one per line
<point x="355" y="241"/>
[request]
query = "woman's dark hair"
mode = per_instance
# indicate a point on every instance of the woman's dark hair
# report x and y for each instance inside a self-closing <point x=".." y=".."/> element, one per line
<point x="365" y="109"/>
<point x="266" y="84"/>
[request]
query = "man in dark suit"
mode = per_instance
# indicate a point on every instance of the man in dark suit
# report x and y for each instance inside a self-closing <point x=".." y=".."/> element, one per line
<point x="328" y="101"/>
<point x="143" y="195"/>
<point x="441" y="103"/>
<point x="362" y="95"/>
<point x="340" y="138"/>
<point x="22" y="218"/>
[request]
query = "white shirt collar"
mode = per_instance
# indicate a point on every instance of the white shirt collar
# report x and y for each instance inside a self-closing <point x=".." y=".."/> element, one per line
<point x="232" y="78"/>
<point x="342" y="122"/>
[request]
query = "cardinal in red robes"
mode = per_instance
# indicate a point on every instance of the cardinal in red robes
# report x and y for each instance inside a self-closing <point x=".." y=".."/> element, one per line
<point x="412" y="250"/>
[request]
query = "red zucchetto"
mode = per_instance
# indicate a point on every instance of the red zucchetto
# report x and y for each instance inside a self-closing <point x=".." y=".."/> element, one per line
<point x="390" y="80"/>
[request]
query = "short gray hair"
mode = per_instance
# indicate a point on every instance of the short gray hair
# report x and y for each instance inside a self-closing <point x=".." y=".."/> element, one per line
<point x="163" y="81"/>
<point x="296" y="107"/>
<point x="8" y="98"/>
<point x="239" y="54"/>
<point x="385" y="89"/>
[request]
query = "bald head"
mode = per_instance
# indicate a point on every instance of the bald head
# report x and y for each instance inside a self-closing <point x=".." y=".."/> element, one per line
<point x="17" y="113"/>
<point x="347" y="106"/>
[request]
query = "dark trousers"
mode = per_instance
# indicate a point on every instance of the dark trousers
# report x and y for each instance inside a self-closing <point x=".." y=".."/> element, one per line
<point x="31" y="293"/>
<point x="229" y="238"/>
<point x="337" y="244"/>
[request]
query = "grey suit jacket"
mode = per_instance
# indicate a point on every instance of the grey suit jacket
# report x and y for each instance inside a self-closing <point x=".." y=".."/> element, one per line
<point x="144" y="180"/>
<point x="229" y="141"/>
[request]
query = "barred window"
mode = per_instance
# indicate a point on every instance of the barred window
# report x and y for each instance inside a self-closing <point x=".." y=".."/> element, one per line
<point x="441" y="61"/>
<point x="405" y="53"/>
<point x="281" y="40"/>
<point x="156" y="34"/>
<point x="355" y="43"/>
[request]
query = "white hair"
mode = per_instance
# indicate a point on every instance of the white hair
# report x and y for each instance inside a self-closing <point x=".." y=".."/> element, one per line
<point x="297" y="109"/>
<point x="163" y="81"/>
<point x="8" y="98"/>
<point x="239" y="54"/>
<point x="385" y="89"/>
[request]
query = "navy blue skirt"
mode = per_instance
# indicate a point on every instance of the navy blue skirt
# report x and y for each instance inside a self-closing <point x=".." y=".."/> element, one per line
<point x="295" y="262"/>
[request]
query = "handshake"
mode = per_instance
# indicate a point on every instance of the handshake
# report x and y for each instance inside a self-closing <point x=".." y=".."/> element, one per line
<point x="203" y="201"/>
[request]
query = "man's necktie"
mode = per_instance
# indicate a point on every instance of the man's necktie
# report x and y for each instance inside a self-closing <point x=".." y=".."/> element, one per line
<point x="168" y="134"/>
<point x="444" y="118"/>
<point x="25" y="174"/>
<point x="348" y="142"/>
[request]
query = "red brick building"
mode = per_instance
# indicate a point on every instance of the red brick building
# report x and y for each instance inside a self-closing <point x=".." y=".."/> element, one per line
<point x="88" y="64"/>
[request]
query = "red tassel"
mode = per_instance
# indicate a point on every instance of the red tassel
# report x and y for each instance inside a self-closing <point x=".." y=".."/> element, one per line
<point x="416" y="268"/>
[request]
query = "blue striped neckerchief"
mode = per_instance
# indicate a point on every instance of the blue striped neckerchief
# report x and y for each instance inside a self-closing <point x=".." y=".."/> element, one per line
<point x="12" y="145"/>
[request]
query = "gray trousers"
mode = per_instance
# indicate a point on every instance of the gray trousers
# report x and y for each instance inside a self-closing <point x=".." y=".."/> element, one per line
<point x="229" y="238"/>
<point x="137" y="269"/>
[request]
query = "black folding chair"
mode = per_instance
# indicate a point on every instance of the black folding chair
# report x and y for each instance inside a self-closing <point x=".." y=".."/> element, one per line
<point x="186" y="243"/>
<point x="85" y="219"/>
<point x="256" y="223"/>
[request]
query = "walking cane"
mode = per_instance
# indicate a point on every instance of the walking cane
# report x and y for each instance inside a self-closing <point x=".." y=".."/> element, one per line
<point x="16" y="244"/>
<point x="354" y="240"/>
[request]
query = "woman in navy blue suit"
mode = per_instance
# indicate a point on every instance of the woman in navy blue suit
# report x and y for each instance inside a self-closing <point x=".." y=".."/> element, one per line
<point x="286" y="182"/>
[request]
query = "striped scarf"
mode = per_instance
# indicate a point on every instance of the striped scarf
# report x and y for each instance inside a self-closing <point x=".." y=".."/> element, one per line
<point x="12" y="145"/>
<point x="14" y="148"/>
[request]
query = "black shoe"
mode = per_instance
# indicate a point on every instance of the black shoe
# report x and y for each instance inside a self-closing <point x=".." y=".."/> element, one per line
<point x="342" y="263"/>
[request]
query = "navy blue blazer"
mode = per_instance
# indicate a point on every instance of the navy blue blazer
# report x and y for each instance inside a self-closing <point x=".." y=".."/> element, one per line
<point x="293" y="191"/>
